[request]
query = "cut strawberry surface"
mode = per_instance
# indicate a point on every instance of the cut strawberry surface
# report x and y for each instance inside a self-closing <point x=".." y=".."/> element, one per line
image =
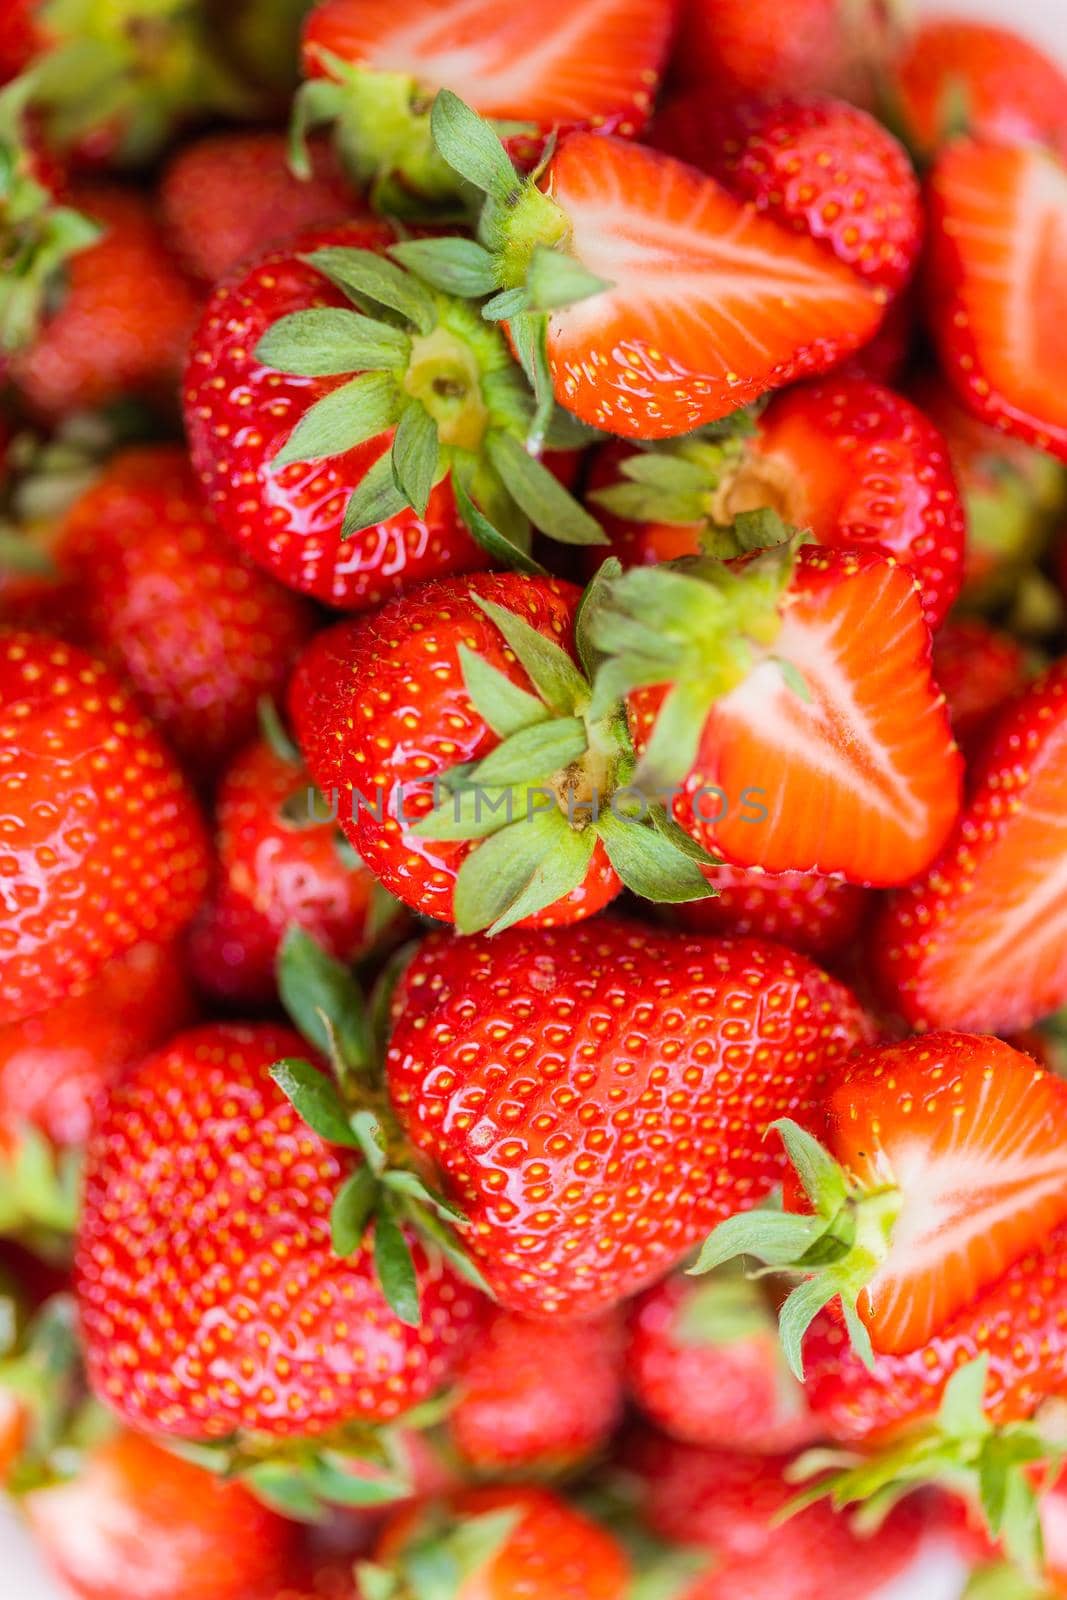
<point x="998" y="285"/>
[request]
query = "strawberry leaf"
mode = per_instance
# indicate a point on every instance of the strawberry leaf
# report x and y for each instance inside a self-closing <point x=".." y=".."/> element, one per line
<point x="455" y="266"/>
<point x="325" y="342"/>
<point x="313" y="985"/>
<point x="543" y="498"/>
<point x="550" y="668"/>
<point x="470" y="146"/>
<point x="352" y="1211"/>
<point x="316" y="1100"/>
<point x="648" y="863"/>
<point x="555" y="278"/>
<point x="395" y="1267"/>
<point x="474" y="813"/>
<point x="501" y="704"/>
<point x="492" y="540"/>
<point x="347" y="417"/>
<point x="371" y="280"/>
<point x="273" y="731"/>
<point x="376" y="498"/>
<point x="442" y="1237"/>
<point x="415" y="456"/>
<point x="519" y="871"/>
<point x="370" y="1136"/>
<point x="285" y="1488"/>
<point x="532" y="753"/>
<point x="594" y="593"/>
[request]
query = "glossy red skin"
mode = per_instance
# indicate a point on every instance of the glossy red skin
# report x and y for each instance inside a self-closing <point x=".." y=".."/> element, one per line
<point x="885" y="358"/>
<point x="818" y="166"/>
<point x="107" y="846"/>
<point x="273" y="873"/>
<point x="730" y="1395"/>
<point x="135" y="1520"/>
<point x="229" y="197"/>
<point x="538" y="1396"/>
<point x="553" y="1552"/>
<point x="1019" y="1323"/>
<point x="204" y="1266"/>
<point x="20" y="37"/>
<point x="198" y="631"/>
<point x="922" y="922"/>
<point x="239" y="415"/>
<point x="596" y="1098"/>
<point x="852" y="462"/>
<point x="380" y="710"/>
<point x="732" y="47"/>
<point x="1008" y="88"/>
<point x="731" y="1504"/>
<point x="980" y="668"/>
<point x="123" y="320"/>
<point x="815" y="915"/>
<point x="54" y="1065"/>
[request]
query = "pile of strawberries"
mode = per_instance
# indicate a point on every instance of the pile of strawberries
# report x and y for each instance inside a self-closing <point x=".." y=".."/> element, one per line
<point x="533" y="800"/>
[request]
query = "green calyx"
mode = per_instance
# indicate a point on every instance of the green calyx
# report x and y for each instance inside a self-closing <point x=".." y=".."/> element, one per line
<point x="443" y="1555"/>
<point x="558" y="783"/>
<point x="39" y="1192"/>
<point x="350" y="1109"/>
<point x="697" y="626"/>
<point x="41" y="1369"/>
<point x="427" y="367"/>
<point x="1003" y="1471"/>
<point x="837" y="1248"/>
<point x="127" y="72"/>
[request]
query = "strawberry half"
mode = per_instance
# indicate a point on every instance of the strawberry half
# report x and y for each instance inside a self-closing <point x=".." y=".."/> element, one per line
<point x="642" y="294"/>
<point x="979" y="942"/>
<point x="944" y="1163"/>
<point x="785" y="704"/>
<point x="997" y="284"/>
<point x="375" y="67"/>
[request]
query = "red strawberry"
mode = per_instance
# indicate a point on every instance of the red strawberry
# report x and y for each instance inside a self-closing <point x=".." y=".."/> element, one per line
<point x="823" y="168"/>
<point x="538" y="1396"/>
<point x="122" y="319"/>
<point x="105" y="847"/>
<point x="732" y="1506"/>
<point x="597" y="65"/>
<point x="452" y="730"/>
<point x="886" y="357"/>
<point x="20" y="37"/>
<point x="136" y="1520"/>
<point x="231" y="196"/>
<point x="808" y="913"/>
<point x="204" y="1260"/>
<point x="963" y="75"/>
<point x="997" y="285"/>
<point x="943" y="1164"/>
<point x="303" y="472"/>
<point x="595" y="1098"/>
<point x="979" y="669"/>
<point x="196" y="630"/>
<point x="810" y="674"/>
<point x="978" y="942"/>
<point x="703" y="1362"/>
<point x="278" y="866"/>
<point x="498" y="1542"/>
<point x="732" y="47"/>
<point x="843" y="458"/>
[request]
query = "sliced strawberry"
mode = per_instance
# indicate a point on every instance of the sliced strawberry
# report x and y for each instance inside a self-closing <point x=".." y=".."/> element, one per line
<point x="998" y="284"/>
<point x="981" y="941"/>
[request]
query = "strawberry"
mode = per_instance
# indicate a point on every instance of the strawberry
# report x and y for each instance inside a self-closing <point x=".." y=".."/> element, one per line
<point x="808" y="670"/>
<point x="979" y="669"/>
<point x="204" y="1261"/>
<point x="997" y="271"/>
<point x="824" y="169"/>
<point x="138" y="1520"/>
<point x="538" y="1396"/>
<point x="279" y="866"/>
<point x="312" y="490"/>
<point x="19" y="37"/>
<point x="472" y="778"/>
<point x="963" y="75"/>
<point x="731" y="48"/>
<point x="808" y="913"/>
<point x="374" y="68"/>
<point x="55" y="1064"/>
<point x="122" y="317"/>
<point x="885" y="358"/>
<point x="498" y="1542"/>
<point x="977" y="942"/>
<point x="579" y="1197"/>
<point x="106" y="846"/>
<point x="703" y="1362"/>
<point x="231" y="196"/>
<point x="844" y="458"/>
<point x="942" y="1165"/>
<point x="196" y="630"/>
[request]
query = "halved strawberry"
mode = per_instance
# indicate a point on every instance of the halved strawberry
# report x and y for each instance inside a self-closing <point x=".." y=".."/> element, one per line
<point x="997" y="284"/>
<point x="594" y="65"/>
<point x="786" y="703"/>
<point x="647" y="297"/>
<point x="981" y="941"/>
<point x="945" y="1161"/>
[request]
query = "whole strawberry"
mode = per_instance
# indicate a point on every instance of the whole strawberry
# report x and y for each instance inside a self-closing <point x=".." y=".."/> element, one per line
<point x="596" y="1098"/>
<point x="979" y="668"/>
<point x="845" y="459"/>
<point x="105" y="845"/>
<point x="194" y="628"/>
<point x="206" y="1263"/>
